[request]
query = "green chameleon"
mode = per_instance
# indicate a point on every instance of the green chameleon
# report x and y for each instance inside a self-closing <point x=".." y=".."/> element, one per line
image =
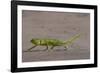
<point x="52" y="42"/>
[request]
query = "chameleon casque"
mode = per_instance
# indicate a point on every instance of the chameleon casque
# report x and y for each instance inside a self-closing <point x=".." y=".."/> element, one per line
<point x="52" y="42"/>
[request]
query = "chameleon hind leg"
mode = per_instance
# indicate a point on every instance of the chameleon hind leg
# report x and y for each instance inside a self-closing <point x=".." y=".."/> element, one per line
<point x="31" y="48"/>
<point x="52" y="47"/>
<point x="46" y="48"/>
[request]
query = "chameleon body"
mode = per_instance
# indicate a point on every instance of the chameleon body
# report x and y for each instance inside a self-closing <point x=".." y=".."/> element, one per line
<point x="52" y="42"/>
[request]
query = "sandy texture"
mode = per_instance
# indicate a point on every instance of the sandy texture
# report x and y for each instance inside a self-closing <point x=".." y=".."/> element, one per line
<point x="56" y="25"/>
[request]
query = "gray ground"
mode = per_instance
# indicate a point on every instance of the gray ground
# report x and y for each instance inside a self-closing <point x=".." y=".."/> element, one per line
<point x="56" y="25"/>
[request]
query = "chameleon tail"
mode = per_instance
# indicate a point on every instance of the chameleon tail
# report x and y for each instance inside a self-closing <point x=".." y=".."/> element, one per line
<point x="71" y="40"/>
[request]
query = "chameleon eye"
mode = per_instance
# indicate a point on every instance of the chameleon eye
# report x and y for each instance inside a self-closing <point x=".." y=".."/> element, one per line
<point x="31" y="40"/>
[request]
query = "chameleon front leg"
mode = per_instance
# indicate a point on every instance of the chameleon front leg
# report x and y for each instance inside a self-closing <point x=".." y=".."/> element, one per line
<point x="66" y="47"/>
<point x="31" y="48"/>
<point x="46" y="46"/>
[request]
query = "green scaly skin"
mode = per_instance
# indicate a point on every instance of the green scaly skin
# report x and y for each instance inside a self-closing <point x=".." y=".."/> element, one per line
<point x="52" y="42"/>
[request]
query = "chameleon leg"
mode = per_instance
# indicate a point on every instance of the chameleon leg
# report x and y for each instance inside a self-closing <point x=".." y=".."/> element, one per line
<point x="46" y="47"/>
<point x="66" y="47"/>
<point x="52" y="47"/>
<point x="31" y="48"/>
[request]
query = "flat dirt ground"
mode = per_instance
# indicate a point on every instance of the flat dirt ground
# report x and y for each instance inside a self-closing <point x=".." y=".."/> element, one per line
<point x="55" y="25"/>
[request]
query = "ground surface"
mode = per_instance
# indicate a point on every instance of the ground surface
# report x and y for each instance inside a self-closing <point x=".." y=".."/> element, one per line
<point x="56" y="25"/>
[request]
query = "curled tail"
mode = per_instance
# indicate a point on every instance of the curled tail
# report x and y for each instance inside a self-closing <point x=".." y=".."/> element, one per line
<point x="71" y="40"/>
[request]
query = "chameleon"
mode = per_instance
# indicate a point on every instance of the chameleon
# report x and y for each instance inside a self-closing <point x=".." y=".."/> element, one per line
<point x="52" y="42"/>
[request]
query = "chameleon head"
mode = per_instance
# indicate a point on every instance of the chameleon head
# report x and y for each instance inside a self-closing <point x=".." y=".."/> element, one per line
<point x="31" y="40"/>
<point x="35" y="41"/>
